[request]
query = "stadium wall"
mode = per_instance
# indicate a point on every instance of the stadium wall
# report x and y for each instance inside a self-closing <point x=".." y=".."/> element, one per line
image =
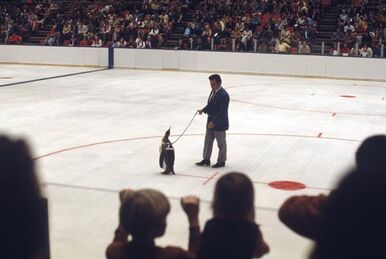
<point x="43" y="55"/>
<point x="200" y="61"/>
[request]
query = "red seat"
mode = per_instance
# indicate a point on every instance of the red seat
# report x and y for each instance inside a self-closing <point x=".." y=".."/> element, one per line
<point x="266" y="17"/>
<point x="83" y="43"/>
<point x="276" y="17"/>
<point x="326" y="3"/>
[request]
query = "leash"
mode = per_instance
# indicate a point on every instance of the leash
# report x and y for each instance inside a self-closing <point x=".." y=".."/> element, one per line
<point x="185" y="128"/>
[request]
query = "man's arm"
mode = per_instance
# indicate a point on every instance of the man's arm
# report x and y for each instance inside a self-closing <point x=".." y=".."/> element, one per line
<point x="205" y="109"/>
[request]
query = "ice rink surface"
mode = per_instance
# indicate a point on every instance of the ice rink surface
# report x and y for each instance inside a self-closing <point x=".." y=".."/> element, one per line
<point x="96" y="133"/>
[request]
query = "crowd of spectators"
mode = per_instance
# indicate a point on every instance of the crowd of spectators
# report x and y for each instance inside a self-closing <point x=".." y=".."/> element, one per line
<point x="116" y="23"/>
<point x="20" y="21"/>
<point x="277" y="26"/>
<point x="263" y="26"/>
<point x="361" y="29"/>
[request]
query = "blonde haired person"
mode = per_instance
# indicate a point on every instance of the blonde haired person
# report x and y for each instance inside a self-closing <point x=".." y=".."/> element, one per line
<point x="282" y="47"/>
<point x="304" y="48"/>
<point x="142" y="215"/>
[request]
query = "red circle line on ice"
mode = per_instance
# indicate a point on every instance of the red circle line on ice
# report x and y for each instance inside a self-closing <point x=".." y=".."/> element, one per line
<point x="208" y="178"/>
<point x="287" y="185"/>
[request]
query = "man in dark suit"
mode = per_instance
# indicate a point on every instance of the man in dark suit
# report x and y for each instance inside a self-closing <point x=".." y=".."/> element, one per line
<point x="217" y="124"/>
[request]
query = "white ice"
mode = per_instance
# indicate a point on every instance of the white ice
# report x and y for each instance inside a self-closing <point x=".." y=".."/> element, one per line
<point x="101" y="132"/>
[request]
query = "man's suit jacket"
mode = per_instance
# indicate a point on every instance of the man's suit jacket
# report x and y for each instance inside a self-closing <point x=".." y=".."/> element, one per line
<point x="217" y="110"/>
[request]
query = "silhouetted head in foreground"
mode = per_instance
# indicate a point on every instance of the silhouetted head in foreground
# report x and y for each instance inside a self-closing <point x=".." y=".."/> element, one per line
<point x="371" y="155"/>
<point x="354" y="222"/>
<point x="20" y="217"/>
<point x="234" y="197"/>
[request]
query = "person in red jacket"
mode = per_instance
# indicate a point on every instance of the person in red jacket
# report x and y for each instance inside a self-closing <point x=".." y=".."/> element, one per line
<point x="14" y="39"/>
<point x="303" y="214"/>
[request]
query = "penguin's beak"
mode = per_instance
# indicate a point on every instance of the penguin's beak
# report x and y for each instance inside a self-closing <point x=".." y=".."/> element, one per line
<point x="167" y="133"/>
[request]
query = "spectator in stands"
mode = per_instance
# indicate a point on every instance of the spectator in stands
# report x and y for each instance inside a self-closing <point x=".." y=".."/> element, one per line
<point x="96" y="42"/>
<point x="232" y="232"/>
<point x="206" y="36"/>
<point x="381" y="35"/>
<point x="377" y="52"/>
<point x="342" y="17"/>
<point x="263" y="48"/>
<point x="52" y="39"/>
<point x="67" y="30"/>
<point x="308" y="34"/>
<point x="366" y="52"/>
<point x="334" y="50"/>
<point x="122" y="43"/>
<point x="296" y="38"/>
<point x="354" y="51"/>
<point x="140" y="43"/>
<point x="282" y="24"/>
<point x="348" y="27"/>
<point x="6" y="31"/>
<point x="255" y="21"/>
<point x="285" y="36"/>
<point x="337" y="36"/>
<point x="361" y="25"/>
<point x="142" y="216"/>
<point x="198" y="45"/>
<point x="304" y="48"/>
<point x="349" y="39"/>
<point x="303" y="214"/>
<point x="154" y="35"/>
<point x="183" y="43"/>
<point x="282" y="47"/>
<point x="22" y="221"/>
<point x="106" y="31"/>
<point x="14" y="39"/>
<point x="345" y="50"/>
<point x="83" y="31"/>
<point x="246" y="37"/>
<point x="236" y="36"/>
<point x="188" y="30"/>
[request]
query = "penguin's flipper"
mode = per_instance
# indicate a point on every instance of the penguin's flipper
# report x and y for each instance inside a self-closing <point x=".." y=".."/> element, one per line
<point x="162" y="159"/>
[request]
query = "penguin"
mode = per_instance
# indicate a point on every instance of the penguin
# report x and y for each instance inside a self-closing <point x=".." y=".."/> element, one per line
<point x="166" y="158"/>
